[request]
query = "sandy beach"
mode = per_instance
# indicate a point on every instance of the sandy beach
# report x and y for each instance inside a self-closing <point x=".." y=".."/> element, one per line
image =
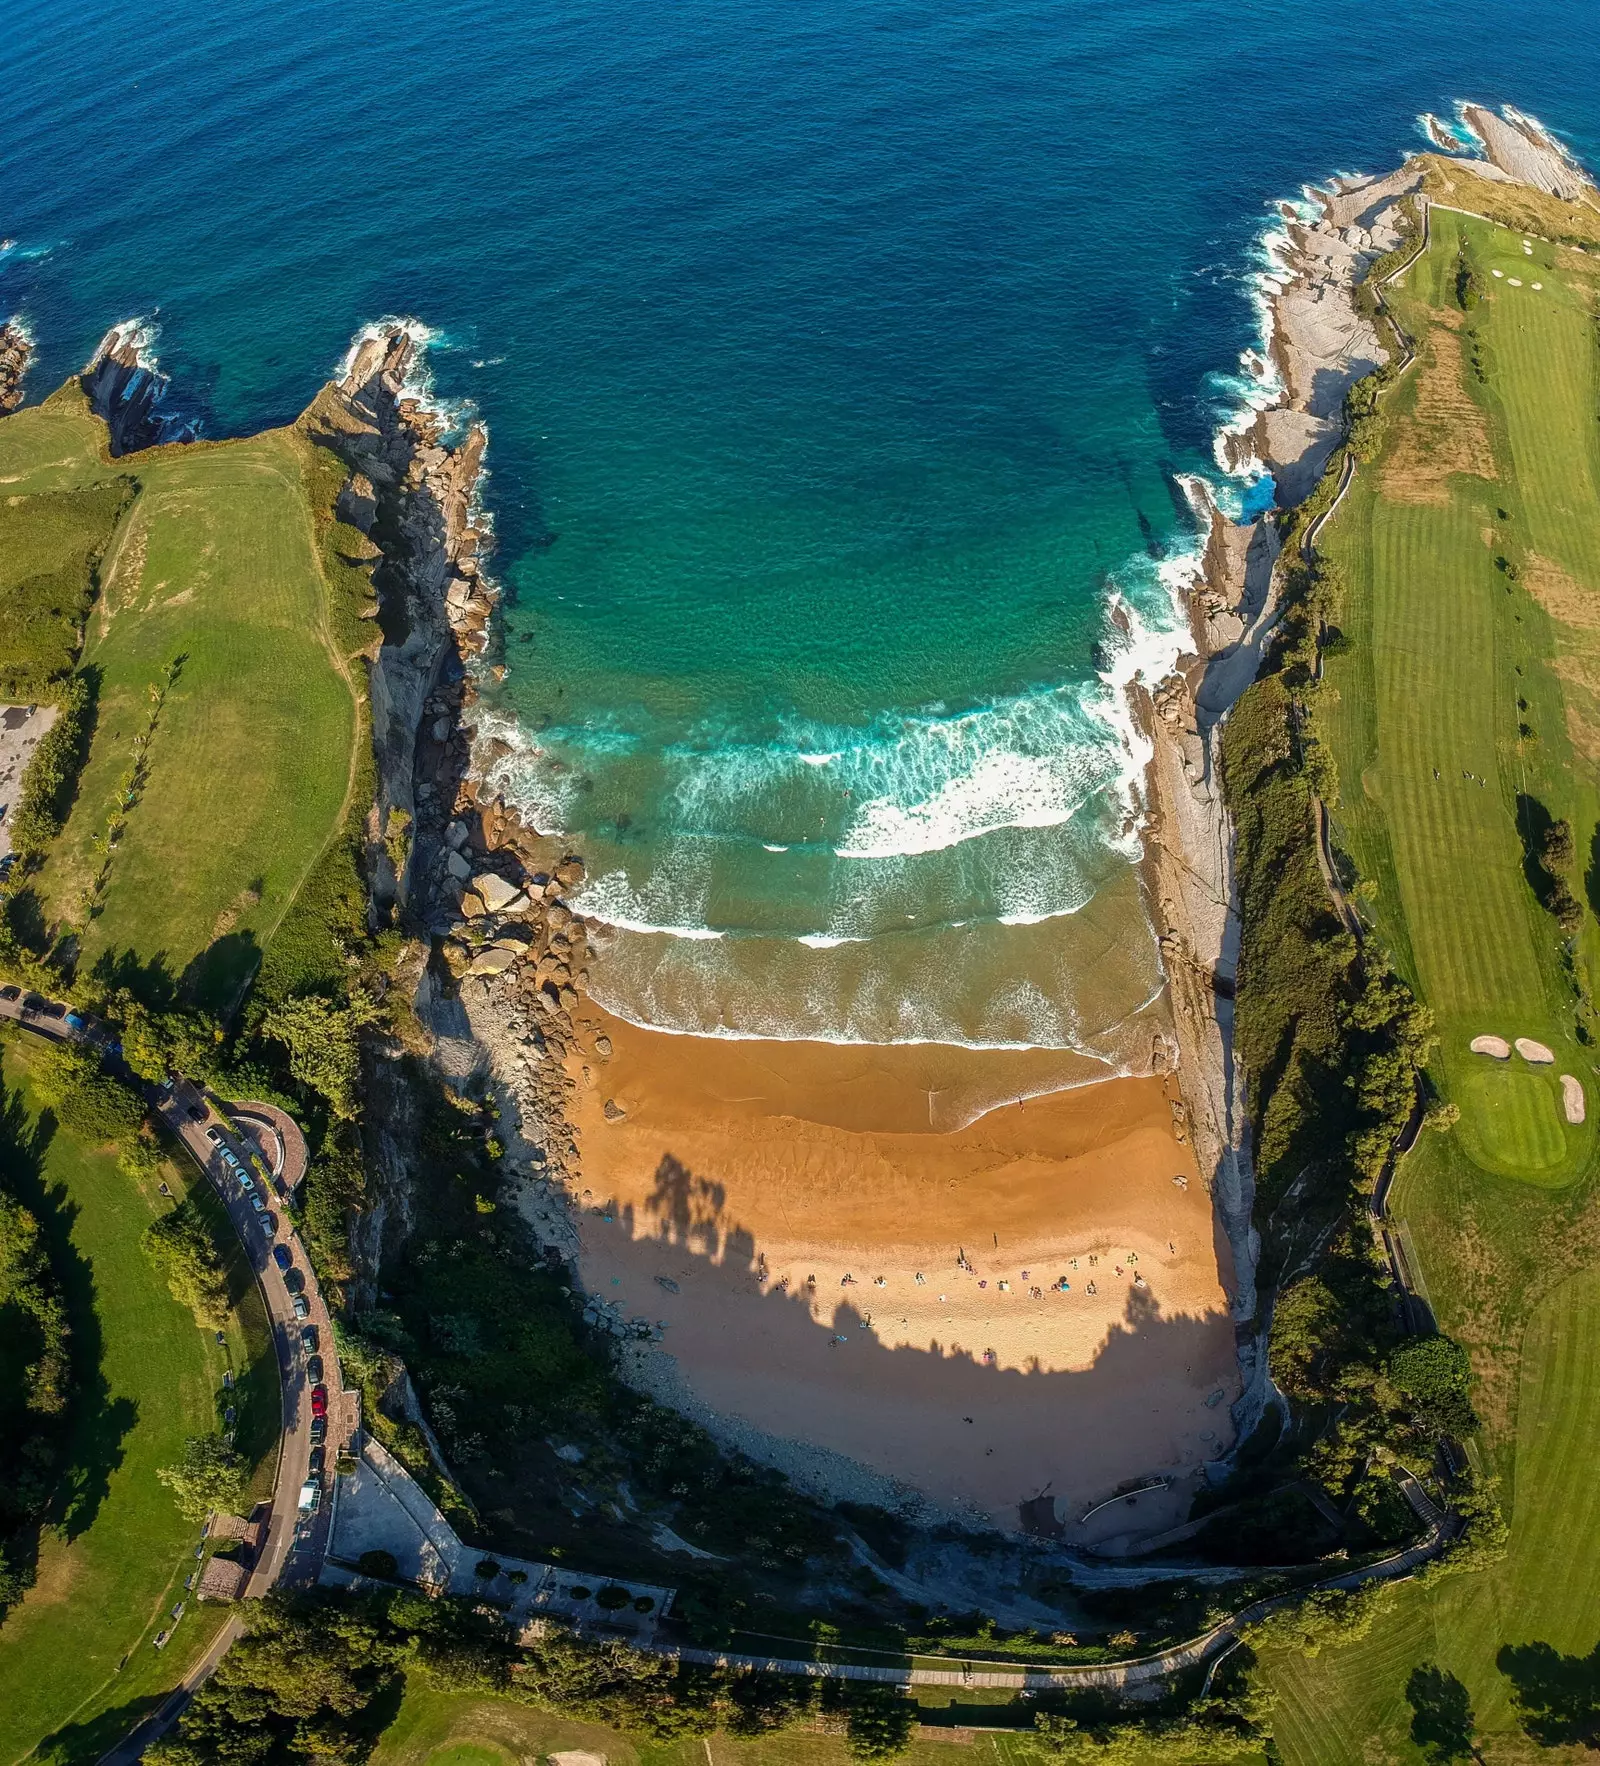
<point x="861" y="1277"/>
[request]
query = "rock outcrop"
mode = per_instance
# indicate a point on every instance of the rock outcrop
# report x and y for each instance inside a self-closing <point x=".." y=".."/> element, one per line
<point x="15" y="351"/>
<point x="127" y="390"/>
<point x="1526" y="153"/>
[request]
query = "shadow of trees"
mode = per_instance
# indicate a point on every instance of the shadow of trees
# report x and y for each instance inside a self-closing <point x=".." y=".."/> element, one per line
<point x="1442" y="1723"/>
<point x="946" y="1400"/>
<point x="97" y="1423"/>
<point x="1556" y="1697"/>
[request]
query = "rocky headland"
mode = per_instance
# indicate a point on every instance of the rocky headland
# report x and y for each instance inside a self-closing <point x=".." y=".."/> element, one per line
<point x="1322" y="339"/>
<point x="130" y="394"/>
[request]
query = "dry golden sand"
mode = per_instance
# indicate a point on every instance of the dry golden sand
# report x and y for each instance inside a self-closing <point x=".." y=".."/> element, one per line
<point x="756" y="1176"/>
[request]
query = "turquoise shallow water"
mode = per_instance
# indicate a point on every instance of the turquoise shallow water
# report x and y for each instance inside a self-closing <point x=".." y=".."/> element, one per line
<point x="840" y="362"/>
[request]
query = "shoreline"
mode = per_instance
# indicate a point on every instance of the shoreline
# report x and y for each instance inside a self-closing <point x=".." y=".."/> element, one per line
<point x="506" y="993"/>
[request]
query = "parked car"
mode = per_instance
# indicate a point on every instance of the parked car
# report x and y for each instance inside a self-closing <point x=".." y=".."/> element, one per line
<point x="10" y="993"/>
<point x="246" y="1182"/>
<point x="214" y="1135"/>
<point x="229" y="1160"/>
<point x="256" y="1202"/>
<point x="314" y="1369"/>
<point x="319" y="1458"/>
<point x="310" y="1496"/>
<point x="196" y="1112"/>
<point x="302" y="1307"/>
<point x="319" y="1400"/>
<point x="319" y="1429"/>
<point x="280" y="1256"/>
<point x="269" y="1225"/>
<point x="308" y="1339"/>
<point x="294" y="1281"/>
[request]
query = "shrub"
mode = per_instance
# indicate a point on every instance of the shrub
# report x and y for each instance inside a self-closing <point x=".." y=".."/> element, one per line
<point x="612" y="1598"/>
<point x="487" y="1568"/>
<point x="379" y="1563"/>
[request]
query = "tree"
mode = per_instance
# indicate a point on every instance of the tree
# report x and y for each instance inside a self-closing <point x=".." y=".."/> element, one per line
<point x="208" y="1480"/>
<point x="1435" y="1375"/>
<point x="86" y="1098"/>
<point x="323" y="1039"/>
<point x="182" y="1248"/>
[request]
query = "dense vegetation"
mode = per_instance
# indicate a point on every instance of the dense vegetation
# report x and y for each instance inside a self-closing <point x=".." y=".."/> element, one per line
<point x="50" y="546"/>
<point x="35" y="1361"/>
<point x="318" y="1678"/>
<point x="52" y="774"/>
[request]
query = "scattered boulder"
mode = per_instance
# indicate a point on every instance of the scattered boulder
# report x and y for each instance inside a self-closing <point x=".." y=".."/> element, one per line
<point x="495" y="892"/>
<point x="494" y="961"/>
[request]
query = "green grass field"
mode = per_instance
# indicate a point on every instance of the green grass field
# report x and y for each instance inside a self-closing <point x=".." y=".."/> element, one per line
<point x="461" y="1729"/>
<point x="109" y="1578"/>
<point x="215" y="566"/>
<point x="1452" y="660"/>
<point x="1491" y="452"/>
<point x="1350" y="1704"/>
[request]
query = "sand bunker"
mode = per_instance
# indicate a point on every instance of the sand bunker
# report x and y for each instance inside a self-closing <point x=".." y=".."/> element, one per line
<point x="1534" y="1051"/>
<point x="1029" y="1304"/>
<point x="1572" y="1099"/>
<point x="1492" y="1045"/>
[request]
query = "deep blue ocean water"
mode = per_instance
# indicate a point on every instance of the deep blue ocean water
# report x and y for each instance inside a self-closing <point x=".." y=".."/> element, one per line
<point x="841" y="360"/>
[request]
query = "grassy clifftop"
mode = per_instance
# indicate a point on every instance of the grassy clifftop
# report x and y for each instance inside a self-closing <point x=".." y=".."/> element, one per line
<point x="193" y="587"/>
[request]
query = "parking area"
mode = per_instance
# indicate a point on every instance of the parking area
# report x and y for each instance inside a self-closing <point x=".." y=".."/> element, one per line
<point x="319" y="1415"/>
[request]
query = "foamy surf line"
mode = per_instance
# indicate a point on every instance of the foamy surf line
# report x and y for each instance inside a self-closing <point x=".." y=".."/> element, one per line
<point x="728" y="1033"/>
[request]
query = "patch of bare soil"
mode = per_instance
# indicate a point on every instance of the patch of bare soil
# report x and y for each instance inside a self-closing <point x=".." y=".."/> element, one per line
<point x="1445" y="433"/>
<point x="1575" y="613"/>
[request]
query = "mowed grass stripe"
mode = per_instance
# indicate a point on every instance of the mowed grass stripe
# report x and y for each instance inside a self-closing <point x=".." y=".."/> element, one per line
<point x="1456" y="849"/>
<point x="1552" y="1593"/>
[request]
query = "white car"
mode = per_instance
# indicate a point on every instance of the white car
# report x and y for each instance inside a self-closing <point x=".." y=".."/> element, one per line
<point x="310" y="1497"/>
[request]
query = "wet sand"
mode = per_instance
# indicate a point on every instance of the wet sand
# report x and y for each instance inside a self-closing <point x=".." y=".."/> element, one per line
<point x="757" y="1176"/>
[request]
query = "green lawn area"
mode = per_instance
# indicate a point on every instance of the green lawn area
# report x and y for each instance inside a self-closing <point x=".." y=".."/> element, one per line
<point x="1459" y="665"/>
<point x="1350" y="1704"/>
<point x="1452" y="659"/>
<point x="250" y="762"/>
<point x="110" y="1575"/>
<point x="465" y="1729"/>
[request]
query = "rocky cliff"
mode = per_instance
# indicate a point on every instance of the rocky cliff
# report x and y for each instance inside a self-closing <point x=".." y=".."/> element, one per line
<point x="126" y="389"/>
<point x="15" y="349"/>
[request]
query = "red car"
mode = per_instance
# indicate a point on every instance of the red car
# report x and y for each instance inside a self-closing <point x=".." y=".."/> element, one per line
<point x="319" y="1400"/>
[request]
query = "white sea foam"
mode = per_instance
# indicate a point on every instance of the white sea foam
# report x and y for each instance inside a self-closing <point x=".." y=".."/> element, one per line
<point x="613" y="900"/>
<point x="139" y="334"/>
<point x="454" y="414"/>
<point x="818" y="759"/>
